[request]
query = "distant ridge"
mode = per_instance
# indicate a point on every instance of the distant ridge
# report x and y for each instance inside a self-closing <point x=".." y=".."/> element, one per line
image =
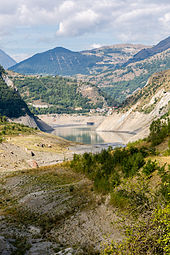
<point x="148" y="52"/>
<point x="5" y="60"/>
<point x="56" y="61"/>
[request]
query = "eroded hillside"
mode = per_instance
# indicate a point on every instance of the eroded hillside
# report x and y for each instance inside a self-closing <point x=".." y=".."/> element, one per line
<point x="83" y="206"/>
<point x="142" y="108"/>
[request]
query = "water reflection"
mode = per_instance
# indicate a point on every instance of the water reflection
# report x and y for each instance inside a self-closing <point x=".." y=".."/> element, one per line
<point x="88" y="135"/>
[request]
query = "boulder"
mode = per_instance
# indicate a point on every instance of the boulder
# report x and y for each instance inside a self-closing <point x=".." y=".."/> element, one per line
<point x="32" y="163"/>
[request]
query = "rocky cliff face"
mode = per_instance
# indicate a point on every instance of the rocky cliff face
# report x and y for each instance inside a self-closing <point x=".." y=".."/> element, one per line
<point x="146" y="105"/>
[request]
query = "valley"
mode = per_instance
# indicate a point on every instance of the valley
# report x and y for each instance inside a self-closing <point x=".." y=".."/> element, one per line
<point x="84" y="157"/>
<point x="67" y="209"/>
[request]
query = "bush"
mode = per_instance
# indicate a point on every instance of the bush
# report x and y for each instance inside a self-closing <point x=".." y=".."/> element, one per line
<point x="107" y="167"/>
<point x="150" y="167"/>
<point x="150" y="236"/>
<point x="159" y="130"/>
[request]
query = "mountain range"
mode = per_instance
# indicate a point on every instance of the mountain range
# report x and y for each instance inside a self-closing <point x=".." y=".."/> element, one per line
<point x="5" y="60"/>
<point x="61" y="61"/>
<point x="125" y="79"/>
<point x="118" y="70"/>
<point x="148" y="52"/>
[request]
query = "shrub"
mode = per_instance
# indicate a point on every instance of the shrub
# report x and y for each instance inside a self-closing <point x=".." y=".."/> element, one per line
<point x="120" y="199"/>
<point x="159" y="129"/>
<point x="150" y="167"/>
<point x="107" y="167"/>
<point x="165" y="184"/>
<point x="150" y="236"/>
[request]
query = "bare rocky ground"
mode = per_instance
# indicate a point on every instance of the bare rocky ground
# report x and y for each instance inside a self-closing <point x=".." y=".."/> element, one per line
<point x="71" y="119"/>
<point x="27" y="151"/>
<point x="50" y="209"/>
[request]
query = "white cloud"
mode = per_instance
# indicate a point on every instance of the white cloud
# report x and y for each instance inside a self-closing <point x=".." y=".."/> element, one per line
<point x="67" y="7"/>
<point x="95" y="46"/>
<point x="120" y="18"/>
<point x="165" y="20"/>
<point x="80" y="23"/>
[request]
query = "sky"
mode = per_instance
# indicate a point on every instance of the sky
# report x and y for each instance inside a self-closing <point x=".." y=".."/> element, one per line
<point x="31" y="26"/>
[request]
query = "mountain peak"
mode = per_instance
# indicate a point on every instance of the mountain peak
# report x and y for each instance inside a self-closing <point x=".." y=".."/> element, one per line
<point x="61" y="49"/>
<point x="59" y="61"/>
<point x="5" y="60"/>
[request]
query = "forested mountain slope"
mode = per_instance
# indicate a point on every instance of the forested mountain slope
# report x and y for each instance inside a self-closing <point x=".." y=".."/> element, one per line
<point x="122" y="82"/>
<point x="11" y="104"/>
<point x="58" y="94"/>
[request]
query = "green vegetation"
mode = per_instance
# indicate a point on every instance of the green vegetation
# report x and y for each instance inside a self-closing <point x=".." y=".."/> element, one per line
<point x="2" y="71"/>
<point x="22" y="246"/>
<point x="120" y="90"/>
<point x="146" y="237"/>
<point x="139" y="188"/>
<point x="11" y="104"/>
<point x="60" y="94"/>
<point x="159" y="130"/>
<point x="108" y="167"/>
<point x="12" y="129"/>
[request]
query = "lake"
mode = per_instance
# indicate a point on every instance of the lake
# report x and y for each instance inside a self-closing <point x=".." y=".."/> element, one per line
<point x="88" y="135"/>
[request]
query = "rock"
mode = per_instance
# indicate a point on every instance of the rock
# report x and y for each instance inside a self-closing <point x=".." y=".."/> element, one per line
<point x="67" y="251"/>
<point x="33" y="163"/>
<point x="42" y="248"/>
<point x="5" y="247"/>
<point x="32" y="153"/>
<point x="34" y="230"/>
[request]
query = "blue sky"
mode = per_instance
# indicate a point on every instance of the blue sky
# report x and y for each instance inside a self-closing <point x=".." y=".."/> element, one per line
<point x="31" y="26"/>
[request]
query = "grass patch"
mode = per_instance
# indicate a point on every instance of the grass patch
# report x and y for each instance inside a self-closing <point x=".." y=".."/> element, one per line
<point x="40" y="143"/>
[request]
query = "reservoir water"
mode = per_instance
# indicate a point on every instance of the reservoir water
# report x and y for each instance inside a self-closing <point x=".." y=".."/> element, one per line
<point x="88" y="135"/>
